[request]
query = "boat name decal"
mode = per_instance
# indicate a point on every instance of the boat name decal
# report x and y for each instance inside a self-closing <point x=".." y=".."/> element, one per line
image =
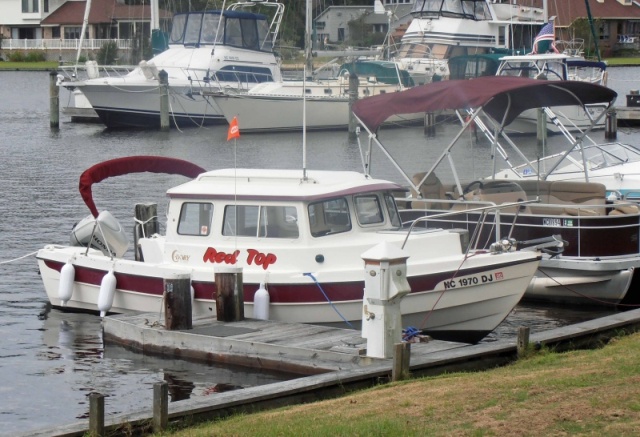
<point x="553" y="222"/>
<point x="468" y="281"/>
<point x="253" y="257"/>
<point x="177" y="256"/>
<point x="231" y="58"/>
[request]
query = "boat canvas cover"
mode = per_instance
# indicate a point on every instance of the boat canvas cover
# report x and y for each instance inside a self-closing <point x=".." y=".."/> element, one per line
<point x="501" y="97"/>
<point x="132" y="164"/>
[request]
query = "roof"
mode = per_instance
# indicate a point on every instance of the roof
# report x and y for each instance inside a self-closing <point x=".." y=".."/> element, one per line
<point x="566" y="11"/>
<point x="283" y="185"/>
<point x="104" y="11"/>
<point x="502" y="97"/>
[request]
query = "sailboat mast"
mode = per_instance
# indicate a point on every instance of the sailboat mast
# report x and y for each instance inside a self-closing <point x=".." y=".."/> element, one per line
<point x="593" y="29"/>
<point x="307" y="40"/>
<point x="85" y="23"/>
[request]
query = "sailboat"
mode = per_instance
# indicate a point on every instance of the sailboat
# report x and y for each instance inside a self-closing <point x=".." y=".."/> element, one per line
<point x="278" y="105"/>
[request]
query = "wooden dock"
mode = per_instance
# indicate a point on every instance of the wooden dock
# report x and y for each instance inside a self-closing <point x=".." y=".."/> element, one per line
<point x="335" y="360"/>
<point x="627" y="115"/>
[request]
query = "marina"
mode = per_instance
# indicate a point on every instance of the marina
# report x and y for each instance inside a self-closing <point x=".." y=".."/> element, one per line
<point x="60" y="357"/>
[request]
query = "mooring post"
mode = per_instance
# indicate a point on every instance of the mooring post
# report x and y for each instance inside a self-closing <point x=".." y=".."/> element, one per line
<point x="96" y="415"/>
<point x="229" y="294"/>
<point x="54" y="100"/>
<point x="160" y="406"/>
<point x="430" y="124"/>
<point x="523" y="340"/>
<point x="611" y="125"/>
<point x="163" y="78"/>
<point x="177" y="302"/>
<point x="146" y="224"/>
<point x="354" y="82"/>
<point x="401" y="361"/>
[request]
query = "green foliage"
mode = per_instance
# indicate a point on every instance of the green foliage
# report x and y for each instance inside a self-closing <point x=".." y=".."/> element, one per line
<point x="35" y="56"/>
<point x="360" y="34"/>
<point x="16" y="56"/>
<point x="108" y="53"/>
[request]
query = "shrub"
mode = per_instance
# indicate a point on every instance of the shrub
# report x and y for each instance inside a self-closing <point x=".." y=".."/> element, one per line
<point x="16" y="56"/>
<point x="35" y="56"/>
<point x="108" y="53"/>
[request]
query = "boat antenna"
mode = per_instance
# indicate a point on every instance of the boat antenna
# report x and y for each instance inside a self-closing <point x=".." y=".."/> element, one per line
<point x="304" y="124"/>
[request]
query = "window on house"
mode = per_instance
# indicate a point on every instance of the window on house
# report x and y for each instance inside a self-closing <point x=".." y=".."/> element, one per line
<point x="55" y="32"/>
<point x="30" y="6"/>
<point x="46" y="6"/>
<point x="341" y="34"/>
<point x="73" y="32"/>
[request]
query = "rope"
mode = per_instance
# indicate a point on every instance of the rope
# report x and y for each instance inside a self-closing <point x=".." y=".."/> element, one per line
<point x="19" y="258"/>
<point x="328" y="300"/>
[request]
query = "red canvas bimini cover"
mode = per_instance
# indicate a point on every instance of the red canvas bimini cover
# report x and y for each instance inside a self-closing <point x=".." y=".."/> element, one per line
<point x="502" y="97"/>
<point x="132" y="164"/>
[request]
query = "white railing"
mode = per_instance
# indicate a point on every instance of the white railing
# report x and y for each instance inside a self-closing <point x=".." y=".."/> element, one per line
<point x="61" y="44"/>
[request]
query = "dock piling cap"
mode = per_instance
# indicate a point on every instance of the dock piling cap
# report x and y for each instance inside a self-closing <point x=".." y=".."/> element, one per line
<point x="633" y="92"/>
<point x="385" y="251"/>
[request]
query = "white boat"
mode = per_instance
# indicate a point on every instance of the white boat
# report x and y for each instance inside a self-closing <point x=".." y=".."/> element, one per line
<point x="301" y="233"/>
<point x="208" y="51"/>
<point x="615" y="165"/>
<point x="279" y="105"/>
<point x="556" y="67"/>
<point x="602" y="257"/>
<point x="442" y="29"/>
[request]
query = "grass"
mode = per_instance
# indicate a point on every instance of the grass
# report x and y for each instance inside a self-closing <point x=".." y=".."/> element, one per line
<point x="585" y="393"/>
<point x="44" y="66"/>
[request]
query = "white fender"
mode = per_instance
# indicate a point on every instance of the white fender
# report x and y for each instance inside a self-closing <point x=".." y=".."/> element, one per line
<point x="107" y="291"/>
<point x="261" y="302"/>
<point x="65" y="286"/>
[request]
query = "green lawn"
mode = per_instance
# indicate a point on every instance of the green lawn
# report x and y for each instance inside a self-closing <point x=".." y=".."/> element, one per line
<point x="44" y="66"/>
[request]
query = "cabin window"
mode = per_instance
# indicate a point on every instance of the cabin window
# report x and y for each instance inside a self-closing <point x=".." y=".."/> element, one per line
<point x="392" y="208"/>
<point x="192" y="31"/>
<point x="195" y="219"/>
<point x="368" y="209"/>
<point x="210" y="29"/>
<point x="261" y="221"/>
<point x="329" y="217"/>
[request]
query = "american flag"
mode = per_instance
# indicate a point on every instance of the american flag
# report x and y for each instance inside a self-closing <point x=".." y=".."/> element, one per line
<point x="547" y="33"/>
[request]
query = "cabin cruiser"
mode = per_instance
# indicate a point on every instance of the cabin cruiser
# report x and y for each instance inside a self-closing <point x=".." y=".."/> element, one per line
<point x="300" y="234"/>
<point x="442" y="29"/>
<point x="210" y="50"/>
<point x="600" y="261"/>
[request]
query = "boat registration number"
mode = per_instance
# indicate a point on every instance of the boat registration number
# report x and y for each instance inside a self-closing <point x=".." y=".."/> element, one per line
<point x="471" y="280"/>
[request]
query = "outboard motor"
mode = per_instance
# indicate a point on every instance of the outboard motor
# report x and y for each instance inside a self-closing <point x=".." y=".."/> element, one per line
<point x="103" y="233"/>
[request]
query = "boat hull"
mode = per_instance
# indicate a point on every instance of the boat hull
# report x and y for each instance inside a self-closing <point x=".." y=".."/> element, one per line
<point x="458" y="303"/>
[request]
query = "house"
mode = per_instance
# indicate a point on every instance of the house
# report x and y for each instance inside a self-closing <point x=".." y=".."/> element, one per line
<point x="55" y="25"/>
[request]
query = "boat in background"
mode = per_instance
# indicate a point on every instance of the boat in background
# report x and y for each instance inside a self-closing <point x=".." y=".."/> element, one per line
<point x="442" y="29"/>
<point x="299" y="234"/>
<point x="207" y="51"/>
<point x="601" y="260"/>
<point x="278" y="105"/>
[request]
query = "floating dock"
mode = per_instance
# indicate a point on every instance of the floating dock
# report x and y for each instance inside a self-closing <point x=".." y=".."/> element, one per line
<point x="335" y="360"/>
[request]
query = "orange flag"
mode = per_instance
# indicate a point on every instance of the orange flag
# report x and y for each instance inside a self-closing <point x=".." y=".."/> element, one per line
<point x="234" y="130"/>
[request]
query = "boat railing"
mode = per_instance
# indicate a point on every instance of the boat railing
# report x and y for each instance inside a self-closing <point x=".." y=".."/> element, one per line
<point x="93" y="70"/>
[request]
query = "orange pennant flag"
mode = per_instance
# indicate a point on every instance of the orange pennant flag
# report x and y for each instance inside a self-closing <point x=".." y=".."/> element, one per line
<point x="234" y="130"/>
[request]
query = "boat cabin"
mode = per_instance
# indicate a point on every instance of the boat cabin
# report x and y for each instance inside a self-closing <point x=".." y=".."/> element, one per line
<point x="252" y="208"/>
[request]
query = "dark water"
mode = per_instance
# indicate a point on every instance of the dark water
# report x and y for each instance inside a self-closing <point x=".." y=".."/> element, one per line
<point x="50" y="361"/>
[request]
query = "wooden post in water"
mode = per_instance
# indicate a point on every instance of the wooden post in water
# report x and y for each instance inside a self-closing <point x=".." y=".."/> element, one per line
<point x="229" y="294"/>
<point x="401" y="361"/>
<point x="96" y="415"/>
<point x="611" y="125"/>
<point x="163" y="78"/>
<point x="177" y="302"/>
<point x="430" y="124"/>
<point x="353" y="97"/>
<point x="523" y="340"/>
<point x="54" y="101"/>
<point x="160" y="406"/>
<point x="146" y="219"/>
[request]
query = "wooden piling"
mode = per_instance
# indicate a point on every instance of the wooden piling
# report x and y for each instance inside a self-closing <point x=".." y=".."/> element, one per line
<point x="430" y="124"/>
<point x="523" y="340"/>
<point x="160" y="406"/>
<point x="146" y="224"/>
<point x="354" y="82"/>
<point x="177" y="302"/>
<point x="54" y="100"/>
<point x="163" y="78"/>
<point x="611" y="125"/>
<point x="96" y="415"/>
<point x="401" y="361"/>
<point x="229" y="295"/>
